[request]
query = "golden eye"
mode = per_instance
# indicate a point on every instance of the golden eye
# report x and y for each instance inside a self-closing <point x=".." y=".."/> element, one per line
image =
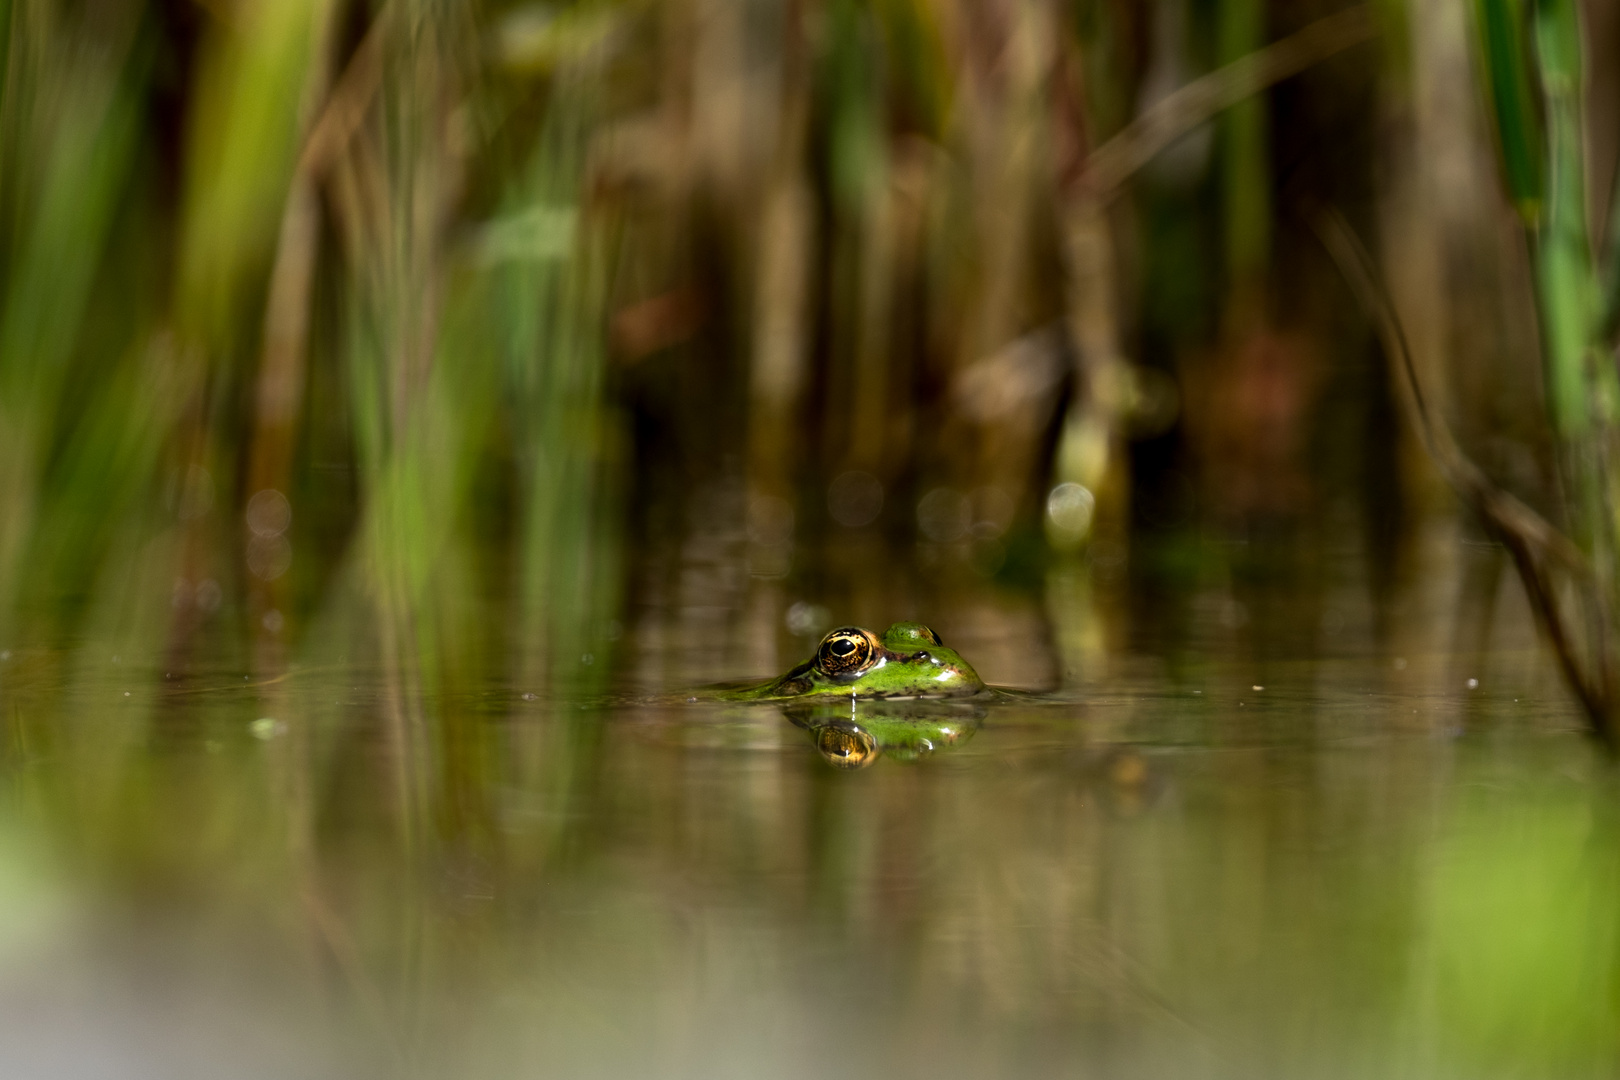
<point x="846" y="748"/>
<point x="928" y="635"/>
<point x="848" y="651"/>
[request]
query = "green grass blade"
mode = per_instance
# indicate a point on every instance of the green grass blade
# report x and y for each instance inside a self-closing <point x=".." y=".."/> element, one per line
<point x="1504" y="32"/>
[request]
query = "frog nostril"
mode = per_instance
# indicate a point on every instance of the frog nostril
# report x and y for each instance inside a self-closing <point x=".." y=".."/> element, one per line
<point x="922" y="656"/>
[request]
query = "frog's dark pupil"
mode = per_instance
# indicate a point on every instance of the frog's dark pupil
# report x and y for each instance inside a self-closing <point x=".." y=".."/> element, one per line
<point x="842" y="647"/>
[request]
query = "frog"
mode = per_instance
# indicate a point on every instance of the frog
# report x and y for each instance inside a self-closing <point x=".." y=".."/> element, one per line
<point x="854" y="733"/>
<point x="905" y="662"/>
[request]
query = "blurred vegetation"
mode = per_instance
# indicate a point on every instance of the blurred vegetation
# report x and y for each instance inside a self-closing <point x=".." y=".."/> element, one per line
<point x="333" y="310"/>
<point x="482" y="338"/>
<point x="1533" y="58"/>
<point x="303" y="301"/>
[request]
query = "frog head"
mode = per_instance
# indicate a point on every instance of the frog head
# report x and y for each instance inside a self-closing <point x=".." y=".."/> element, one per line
<point x="908" y="660"/>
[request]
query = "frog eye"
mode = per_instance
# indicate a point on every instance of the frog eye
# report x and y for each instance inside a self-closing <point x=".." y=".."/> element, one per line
<point x="928" y="635"/>
<point x="846" y="748"/>
<point x="848" y="651"/>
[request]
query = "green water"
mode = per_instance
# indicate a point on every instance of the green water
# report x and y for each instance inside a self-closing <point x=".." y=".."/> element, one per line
<point x="1365" y="868"/>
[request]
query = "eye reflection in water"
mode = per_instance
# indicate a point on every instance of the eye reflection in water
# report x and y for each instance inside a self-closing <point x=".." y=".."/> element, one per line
<point x="854" y="734"/>
<point x="845" y="747"/>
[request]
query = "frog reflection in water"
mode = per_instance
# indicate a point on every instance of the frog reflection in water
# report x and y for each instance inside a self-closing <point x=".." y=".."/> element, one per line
<point x="853" y="734"/>
<point x="908" y="661"/>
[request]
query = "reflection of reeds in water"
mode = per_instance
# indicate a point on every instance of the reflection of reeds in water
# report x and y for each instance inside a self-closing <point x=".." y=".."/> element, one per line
<point x="304" y="360"/>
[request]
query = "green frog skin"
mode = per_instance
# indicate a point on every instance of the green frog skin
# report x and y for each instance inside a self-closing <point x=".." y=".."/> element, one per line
<point x="907" y="661"/>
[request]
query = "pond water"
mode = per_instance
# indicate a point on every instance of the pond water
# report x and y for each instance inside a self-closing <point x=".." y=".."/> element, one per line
<point x="1348" y="863"/>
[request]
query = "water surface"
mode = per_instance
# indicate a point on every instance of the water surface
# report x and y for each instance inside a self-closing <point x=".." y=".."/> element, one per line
<point x="1360" y="867"/>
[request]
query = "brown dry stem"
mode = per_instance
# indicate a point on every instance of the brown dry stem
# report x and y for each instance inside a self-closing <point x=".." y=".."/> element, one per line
<point x="1161" y="124"/>
<point x="1538" y="548"/>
